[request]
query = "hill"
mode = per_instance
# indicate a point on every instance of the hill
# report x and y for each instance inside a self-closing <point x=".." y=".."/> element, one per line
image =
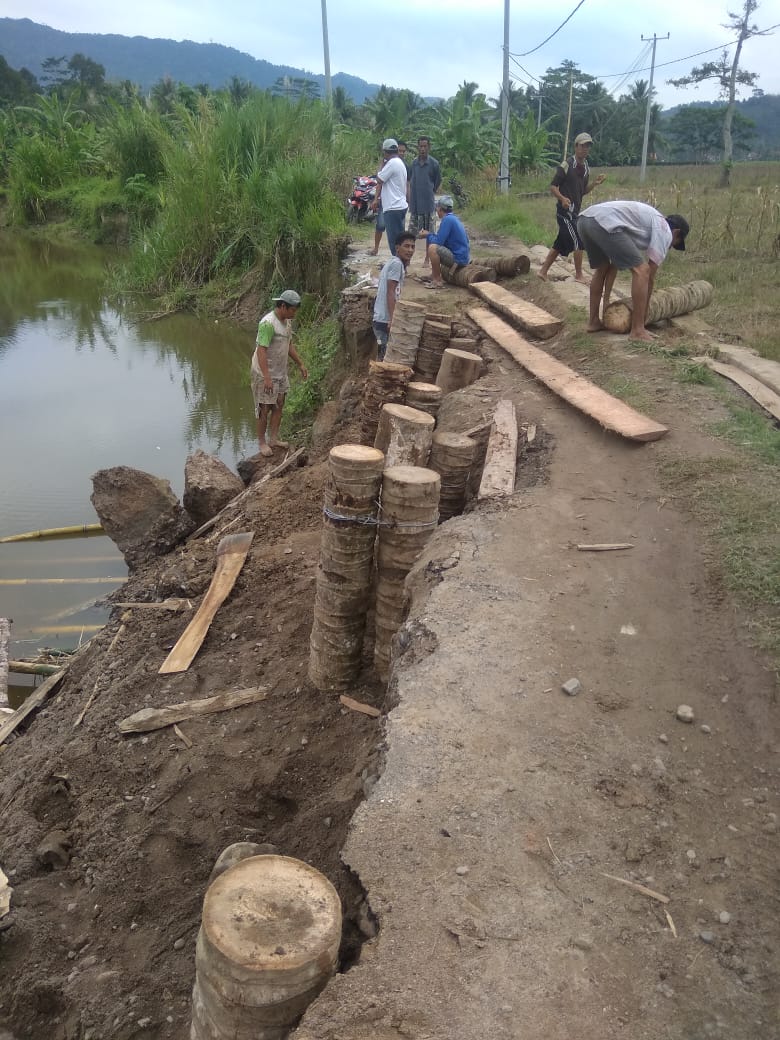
<point x="26" y="44"/>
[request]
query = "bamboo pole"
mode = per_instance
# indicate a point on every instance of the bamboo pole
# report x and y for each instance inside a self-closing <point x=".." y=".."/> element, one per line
<point x="79" y="531"/>
<point x="28" y="668"/>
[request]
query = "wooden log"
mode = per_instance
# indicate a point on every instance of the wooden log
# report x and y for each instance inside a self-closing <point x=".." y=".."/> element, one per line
<point x="405" y="331"/>
<point x="404" y="435"/>
<point x="386" y="384"/>
<point x="498" y="475"/>
<point x="526" y="316"/>
<point x="452" y="456"/>
<point x="459" y="368"/>
<point x="609" y="412"/>
<point x="664" y="303"/>
<point x="5" y="638"/>
<point x="31" y="668"/>
<point x="463" y="277"/>
<point x="761" y="394"/>
<point x="148" y="719"/>
<point x="425" y="396"/>
<point x="466" y="343"/>
<point x="434" y="341"/>
<point x="77" y="531"/>
<point x="506" y="266"/>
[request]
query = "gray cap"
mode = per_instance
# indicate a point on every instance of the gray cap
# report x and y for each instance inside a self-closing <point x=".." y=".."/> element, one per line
<point x="289" y="296"/>
<point x="583" y="139"/>
<point x="389" y="145"/>
<point x="445" y="201"/>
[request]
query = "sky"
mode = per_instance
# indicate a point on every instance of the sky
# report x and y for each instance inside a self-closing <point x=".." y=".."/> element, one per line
<point x="433" y="47"/>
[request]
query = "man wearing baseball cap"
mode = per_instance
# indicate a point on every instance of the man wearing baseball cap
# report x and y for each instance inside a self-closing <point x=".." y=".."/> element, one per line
<point x="569" y="186"/>
<point x="449" y="245"/>
<point x="616" y="235"/>
<point x="270" y="381"/>
<point x="392" y="192"/>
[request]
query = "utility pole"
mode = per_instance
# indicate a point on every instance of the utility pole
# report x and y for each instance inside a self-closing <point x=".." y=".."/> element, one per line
<point x="539" y="96"/>
<point x="568" y="116"/>
<point x="643" y="168"/>
<point x="503" y="166"/>
<point x="326" y="51"/>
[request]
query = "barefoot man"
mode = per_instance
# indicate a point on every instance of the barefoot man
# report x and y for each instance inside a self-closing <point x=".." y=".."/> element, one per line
<point x="615" y="234"/>
<point x="269" y="368"/>
<point x="570" y="185"/>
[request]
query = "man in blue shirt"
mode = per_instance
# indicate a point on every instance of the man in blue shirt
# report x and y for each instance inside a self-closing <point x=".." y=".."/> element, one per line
<point x="449" y="245"/>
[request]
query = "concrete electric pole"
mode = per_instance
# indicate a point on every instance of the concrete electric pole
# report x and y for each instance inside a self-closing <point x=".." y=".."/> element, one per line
<point x="643" y="169"/>
<point x="503" y="166"/>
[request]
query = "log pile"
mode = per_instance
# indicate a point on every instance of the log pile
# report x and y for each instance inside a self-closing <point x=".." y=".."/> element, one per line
<point x="405" y="331"/>
<point x="434" y="341"/>
<point x="409" y="514"/>
<point x="452" y="456"/>
<point x="346" y="563"/>
<point x="386" y="384"/>
<point x="664" y="303"/>
<point x="404" y="435"/>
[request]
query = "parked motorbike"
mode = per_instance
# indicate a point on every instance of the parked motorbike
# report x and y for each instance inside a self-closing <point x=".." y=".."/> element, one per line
<point x="359" y="201"/>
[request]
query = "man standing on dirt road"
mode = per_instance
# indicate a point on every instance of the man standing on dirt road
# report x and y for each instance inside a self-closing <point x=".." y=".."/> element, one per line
<point x="615" y="234"/>
<point x="424" y="182"/>
<point x="392" y="192"/>
<point x="570" y="185"/>
<point x="391" y="281"/>
<point x="270" y="381"/>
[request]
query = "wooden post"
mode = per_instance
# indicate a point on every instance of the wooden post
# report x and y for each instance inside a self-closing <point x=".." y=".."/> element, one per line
<point x="409" y="514"/>
<point x="452" y="456"/>
<point x="425" y="396"/>
<point x="498" y="475"/>
<point x="405" y="330"/>
<point x="404" y="435"/>
<point x="459" y="368"/>
<point x="434" y="341"/>
<point x="386" y="384"/>
<point x="664" y="303"/>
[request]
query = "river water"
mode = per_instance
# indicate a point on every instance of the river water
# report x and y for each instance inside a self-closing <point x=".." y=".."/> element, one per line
<point x="83" y="386"/>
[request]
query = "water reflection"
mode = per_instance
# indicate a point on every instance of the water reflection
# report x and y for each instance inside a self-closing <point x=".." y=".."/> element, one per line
<point x="84" y="386"/>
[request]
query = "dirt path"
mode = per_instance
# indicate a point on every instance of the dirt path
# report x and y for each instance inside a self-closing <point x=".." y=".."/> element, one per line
<point x="502" y="802"/>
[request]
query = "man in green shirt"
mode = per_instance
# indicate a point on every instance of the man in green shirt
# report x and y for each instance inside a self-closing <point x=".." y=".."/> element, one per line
<point x="270" y="382"/>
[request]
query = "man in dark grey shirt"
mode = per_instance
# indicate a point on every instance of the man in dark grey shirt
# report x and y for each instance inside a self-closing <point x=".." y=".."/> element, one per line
<point x="424" y="182"/>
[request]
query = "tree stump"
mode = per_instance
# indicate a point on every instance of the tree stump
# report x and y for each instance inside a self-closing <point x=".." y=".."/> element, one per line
<point x="425" y="396"/>
<point x="404" y="435"/>
<point x="405" y="330"/>
<point x="345" y="567"/>
<point x="466" y="276"/>
<point x="386" y="384"/>
<point x="452" y="456"/>
<point x="459" y="368"/>
<point x="434" y="341"/>
<point x="409" y="514"/>
<point x="664" y="303"/>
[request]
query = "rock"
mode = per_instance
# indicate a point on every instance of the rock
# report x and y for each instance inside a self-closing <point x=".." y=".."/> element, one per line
<point x="707" y="937"/>
<point x="705" y="729"/>
<point x="252" y="468"/>
<point x="139" y="512"/>
<point x="238" y="851"/>
<point x="582" y="942"/>
<point x="685" y="713"/>
<point x="179" y="944"/>
<point x="461" y="871"/>
<point x="208" y="486"/>
<point x="663" y="738"/>
<point x="659" y="769"/>
<point x="54" y="850"/>
<point x="572" y="687"/>
<point x="724" y="917"/>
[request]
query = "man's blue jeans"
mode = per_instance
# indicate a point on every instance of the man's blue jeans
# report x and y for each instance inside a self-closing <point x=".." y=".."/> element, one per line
<point x="394" y="225"/>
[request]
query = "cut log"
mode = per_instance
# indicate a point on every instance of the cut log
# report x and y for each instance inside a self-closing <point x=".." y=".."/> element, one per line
<point x="468" y="275"/>
<point x="606" y="410"/>
<point x="404" y="435"/>
<point x="498" y="475"/>
<point x="760" y="393"/>
<point x="506" y="266"/>
<point x="405" y="331"/>
<point x="459" y="368"/>
<point x="148" y="719"/>
<point x="386" y="384"/>
<point x="28" y="668"/>
<point x="231" y="553"/>
<point x="524" y="315"/>
<point x="664" y="303"/>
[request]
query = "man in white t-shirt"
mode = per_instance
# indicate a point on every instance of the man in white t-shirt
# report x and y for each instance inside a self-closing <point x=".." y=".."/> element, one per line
<point x="392" y="192"/>
<point x="615" y="235"/>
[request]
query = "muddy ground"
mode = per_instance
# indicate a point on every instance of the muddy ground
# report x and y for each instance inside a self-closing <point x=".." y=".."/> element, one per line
<point x="484" y="765"/>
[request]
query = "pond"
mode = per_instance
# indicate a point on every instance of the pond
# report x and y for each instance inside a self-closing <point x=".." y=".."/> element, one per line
<point x="84" y="386"/>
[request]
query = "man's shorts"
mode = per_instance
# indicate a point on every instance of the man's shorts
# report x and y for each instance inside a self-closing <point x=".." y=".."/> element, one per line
<point x="608" y="247"/>
<point x="446" y="257"/>
<point x="280" y="388"/>
<point x="422" y="222"/>
<point x="381" y="331"/>
<point x="568" y="240"/>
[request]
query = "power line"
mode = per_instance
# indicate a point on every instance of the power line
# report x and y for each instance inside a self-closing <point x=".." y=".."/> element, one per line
<point x="539" y="47"/>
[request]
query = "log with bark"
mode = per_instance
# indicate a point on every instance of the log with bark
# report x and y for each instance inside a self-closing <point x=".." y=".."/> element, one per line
<point x="664" y="303"/>
<point x="466" y="276"/>
<point x="505" y="266"/>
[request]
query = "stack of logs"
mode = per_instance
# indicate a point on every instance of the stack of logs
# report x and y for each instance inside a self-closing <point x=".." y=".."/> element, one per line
<point x="410" y="510"/>
<point x="404" y="339"/>
<point x="452" y="457"/>
<point x="386" y="384"/>
<point x="434" y="341"/>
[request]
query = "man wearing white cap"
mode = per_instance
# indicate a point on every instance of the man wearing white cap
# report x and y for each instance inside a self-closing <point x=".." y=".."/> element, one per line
<point x="569" y="186"/>
<point x="392" y="192"/>
<point x="270" y="381"/>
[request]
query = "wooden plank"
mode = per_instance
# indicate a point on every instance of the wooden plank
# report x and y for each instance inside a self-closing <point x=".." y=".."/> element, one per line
<point x="364" y="709"/>
<point x="605" y="547"/>
<point x="5" y="638"/>
<point x="148" y="719"/>
<point x="498" y="474"/>
<point x="31" y="704"/>
<point x="579" y="392"/>
<point x="764" y="370"/>
<point x="525" y="315"/>
<point x="231" y="553"/>
<point x="760" y="393"/>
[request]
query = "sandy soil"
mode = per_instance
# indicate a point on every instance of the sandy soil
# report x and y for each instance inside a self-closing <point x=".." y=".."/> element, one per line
<point x="502" y="803"/>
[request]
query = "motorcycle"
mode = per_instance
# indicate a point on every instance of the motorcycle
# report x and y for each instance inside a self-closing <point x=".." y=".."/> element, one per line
<point x="359" y="201"/>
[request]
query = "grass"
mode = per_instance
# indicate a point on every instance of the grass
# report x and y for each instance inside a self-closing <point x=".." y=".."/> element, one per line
<point x="318" y="343"/>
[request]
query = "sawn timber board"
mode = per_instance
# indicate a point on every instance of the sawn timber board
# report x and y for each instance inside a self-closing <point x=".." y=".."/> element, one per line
<point x="525" y="315"/>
